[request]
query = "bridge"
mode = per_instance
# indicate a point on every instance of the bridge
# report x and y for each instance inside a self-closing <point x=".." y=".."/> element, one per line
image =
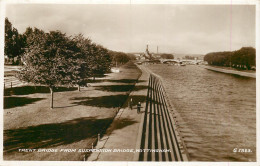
<point x="179" y="61"/>
<point x="187" y="61"/>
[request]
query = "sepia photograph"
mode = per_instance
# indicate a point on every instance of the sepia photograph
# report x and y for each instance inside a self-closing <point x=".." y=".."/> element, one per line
<point x="133" y="82"/>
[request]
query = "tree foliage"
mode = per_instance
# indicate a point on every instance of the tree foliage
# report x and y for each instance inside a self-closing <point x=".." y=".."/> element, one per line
<point x="120" y="57"/>
<point x="189" y="57"/>
<point x="46" y="58"/>
<point x="55" y="59"/>
<point x="243" y="58"/>
<point x="14" y="42"/>
<point x="167" y="56"/>
<point x="81" y="61"/>
<point x="101" y="60"/>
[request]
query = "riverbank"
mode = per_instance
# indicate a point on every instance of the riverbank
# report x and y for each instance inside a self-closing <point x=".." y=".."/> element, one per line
<point x="74" y="123"/>
<point x="230" y="71"/>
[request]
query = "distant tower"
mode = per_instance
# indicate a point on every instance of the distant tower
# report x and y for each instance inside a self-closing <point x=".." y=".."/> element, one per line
<point x="157" y="50"/>
<point x="147" y="53"/>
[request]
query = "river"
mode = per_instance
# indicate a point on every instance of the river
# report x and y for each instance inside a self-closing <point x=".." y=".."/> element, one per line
<point x="218" y="111"/>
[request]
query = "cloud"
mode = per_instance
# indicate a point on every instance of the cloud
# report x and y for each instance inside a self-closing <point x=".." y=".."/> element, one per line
<point x="174" y="28"/>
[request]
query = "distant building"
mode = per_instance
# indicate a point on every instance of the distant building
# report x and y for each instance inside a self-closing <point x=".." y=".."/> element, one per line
<point x="142" y="57"/>
<point x="147" y="53"/>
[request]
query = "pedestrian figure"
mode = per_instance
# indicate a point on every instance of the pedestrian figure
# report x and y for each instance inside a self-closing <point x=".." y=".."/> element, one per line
<point x="139" y="107"/>
<point x="131" y="103"/>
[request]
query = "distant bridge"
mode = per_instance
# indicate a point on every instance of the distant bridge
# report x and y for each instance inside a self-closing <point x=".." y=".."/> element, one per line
<point x="177" y="61"/>
<point x="189" y="61"/>
<point x="181" y="61"/>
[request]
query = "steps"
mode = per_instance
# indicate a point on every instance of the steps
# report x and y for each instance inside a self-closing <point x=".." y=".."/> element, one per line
<point x="158" y="131"/>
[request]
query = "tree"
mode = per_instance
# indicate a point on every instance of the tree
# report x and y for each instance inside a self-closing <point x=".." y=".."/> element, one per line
<point x="8" y="38"/>
<point x="189" y="57"/>
<point x="14" y="42"/>
<point x="101" y="60"/>
<point x="243" y="58"/>
<point x="81" y="60"/>
<point x="46" y="60"/>
<point x="28" y="35"/>
<point x="120" y="57"/>
<point x="167" y="56"/>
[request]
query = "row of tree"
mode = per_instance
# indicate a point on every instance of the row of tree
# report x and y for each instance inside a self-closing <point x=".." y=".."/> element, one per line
<point x="189" y="57"/>
<point x="15" y="45"/>
<point x="241" y="59"/>
<point x="55" y="59"/>
<point x="167" y="56"/>
<point x="121" y="57"/>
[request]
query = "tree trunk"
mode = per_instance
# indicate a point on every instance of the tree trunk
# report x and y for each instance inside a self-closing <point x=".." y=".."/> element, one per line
<point x="12" y="61"/>
<point x="78" y="87"/>
<point x="51" y="104"/>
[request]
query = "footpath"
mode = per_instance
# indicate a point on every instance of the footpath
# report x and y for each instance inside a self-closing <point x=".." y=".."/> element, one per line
<point x="153" y="128"/>
<point x="125" y="138"/>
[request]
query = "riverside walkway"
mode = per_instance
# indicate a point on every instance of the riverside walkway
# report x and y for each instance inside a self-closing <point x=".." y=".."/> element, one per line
<point x="152" y="136"/>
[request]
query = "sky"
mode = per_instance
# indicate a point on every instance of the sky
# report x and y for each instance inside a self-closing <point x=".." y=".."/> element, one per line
<point x="182" y="29"/>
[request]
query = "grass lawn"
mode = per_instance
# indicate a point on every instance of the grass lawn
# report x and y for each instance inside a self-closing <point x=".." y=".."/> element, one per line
<point x="75" y="121"/>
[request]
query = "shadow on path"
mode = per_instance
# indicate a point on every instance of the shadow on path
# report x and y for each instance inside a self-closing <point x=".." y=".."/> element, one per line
<point x="109" y="101"/>
<point x="115" y="88"/>
<point x="126" y="81"/>
<point x="117" y="81"/>
<point x="26" y="90"/>
<point x="120" y="88"/>
<point x="103" y="101"/>
<point x="12" y="102"/>
<point x="55" y="134"/>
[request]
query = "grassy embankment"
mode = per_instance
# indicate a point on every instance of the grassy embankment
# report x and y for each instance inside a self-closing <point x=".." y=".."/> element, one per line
<point x="75" y="121"/>
<point x="231" y="68"/>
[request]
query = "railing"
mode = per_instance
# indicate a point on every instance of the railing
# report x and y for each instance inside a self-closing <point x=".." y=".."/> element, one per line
<point x="159" y="128"/>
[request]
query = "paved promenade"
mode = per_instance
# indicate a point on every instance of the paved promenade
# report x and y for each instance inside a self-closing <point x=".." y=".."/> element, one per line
<point x="153" y="128"/>
<point x="126" y="137"/>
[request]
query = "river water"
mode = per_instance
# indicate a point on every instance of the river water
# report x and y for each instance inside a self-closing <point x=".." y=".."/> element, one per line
<point x="218" y="111"/>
